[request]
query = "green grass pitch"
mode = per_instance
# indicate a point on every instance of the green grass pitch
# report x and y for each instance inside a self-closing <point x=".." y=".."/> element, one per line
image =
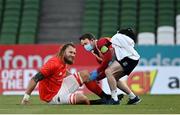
<point x="150" y="104"/>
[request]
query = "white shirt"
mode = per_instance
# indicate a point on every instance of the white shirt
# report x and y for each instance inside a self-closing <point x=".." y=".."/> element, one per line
<point x="124" y="47"/>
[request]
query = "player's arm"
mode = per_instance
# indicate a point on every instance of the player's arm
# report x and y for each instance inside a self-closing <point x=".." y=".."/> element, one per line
<point x="107" y="58"/>
<point x="98" y="58"/>
<point x="100" y="70"/>
<point x="32" y="84"/>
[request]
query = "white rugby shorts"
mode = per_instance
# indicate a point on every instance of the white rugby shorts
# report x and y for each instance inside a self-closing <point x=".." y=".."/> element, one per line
<point x="66" y="94"/>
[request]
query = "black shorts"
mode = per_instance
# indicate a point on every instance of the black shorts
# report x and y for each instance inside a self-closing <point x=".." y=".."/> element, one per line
<point x="128" y="64"/>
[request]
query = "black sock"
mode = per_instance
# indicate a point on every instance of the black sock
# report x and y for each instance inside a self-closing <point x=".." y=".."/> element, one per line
<point x="95" y="102"/>
<point x="104" y="95"/>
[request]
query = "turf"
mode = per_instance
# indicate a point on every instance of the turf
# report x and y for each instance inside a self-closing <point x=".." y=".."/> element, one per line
<point x="150" y="104"/>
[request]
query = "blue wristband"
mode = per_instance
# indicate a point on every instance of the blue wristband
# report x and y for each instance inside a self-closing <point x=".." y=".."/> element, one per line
<point x="93" y="75"/>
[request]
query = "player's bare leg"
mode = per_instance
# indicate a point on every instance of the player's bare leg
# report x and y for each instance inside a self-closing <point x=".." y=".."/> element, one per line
<point x="84" y="75"/>
<point x="112" y="82"/>
<point x="117" y="71"/>
<point x="81" y="99"/>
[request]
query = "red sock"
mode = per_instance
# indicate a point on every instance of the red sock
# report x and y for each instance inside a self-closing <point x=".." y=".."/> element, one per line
<point x="94" y="87"/>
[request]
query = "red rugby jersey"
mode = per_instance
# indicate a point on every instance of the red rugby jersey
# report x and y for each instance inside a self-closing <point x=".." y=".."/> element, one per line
<point x="54" y="70"/>
<point x="106" y="58"/>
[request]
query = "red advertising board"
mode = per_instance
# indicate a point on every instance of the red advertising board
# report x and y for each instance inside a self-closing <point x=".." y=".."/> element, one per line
<point x="18" y="63"/>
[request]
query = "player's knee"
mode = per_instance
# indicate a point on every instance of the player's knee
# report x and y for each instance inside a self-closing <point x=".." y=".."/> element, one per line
<point x="82" y="99"/>
<point x="108" y="72"/>
<point x="111" y="72"/>
<point x="84" y="75"/>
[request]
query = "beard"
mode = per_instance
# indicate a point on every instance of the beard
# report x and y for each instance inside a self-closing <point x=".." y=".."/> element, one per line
<point x="68" y="60"/>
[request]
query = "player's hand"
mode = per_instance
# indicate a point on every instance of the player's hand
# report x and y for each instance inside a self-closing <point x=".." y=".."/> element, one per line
<point x="26" y="99"/>
<point x="93" y="75"/>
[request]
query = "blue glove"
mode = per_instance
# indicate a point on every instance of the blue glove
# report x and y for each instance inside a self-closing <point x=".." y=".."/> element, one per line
<point x="93" y="75"/>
